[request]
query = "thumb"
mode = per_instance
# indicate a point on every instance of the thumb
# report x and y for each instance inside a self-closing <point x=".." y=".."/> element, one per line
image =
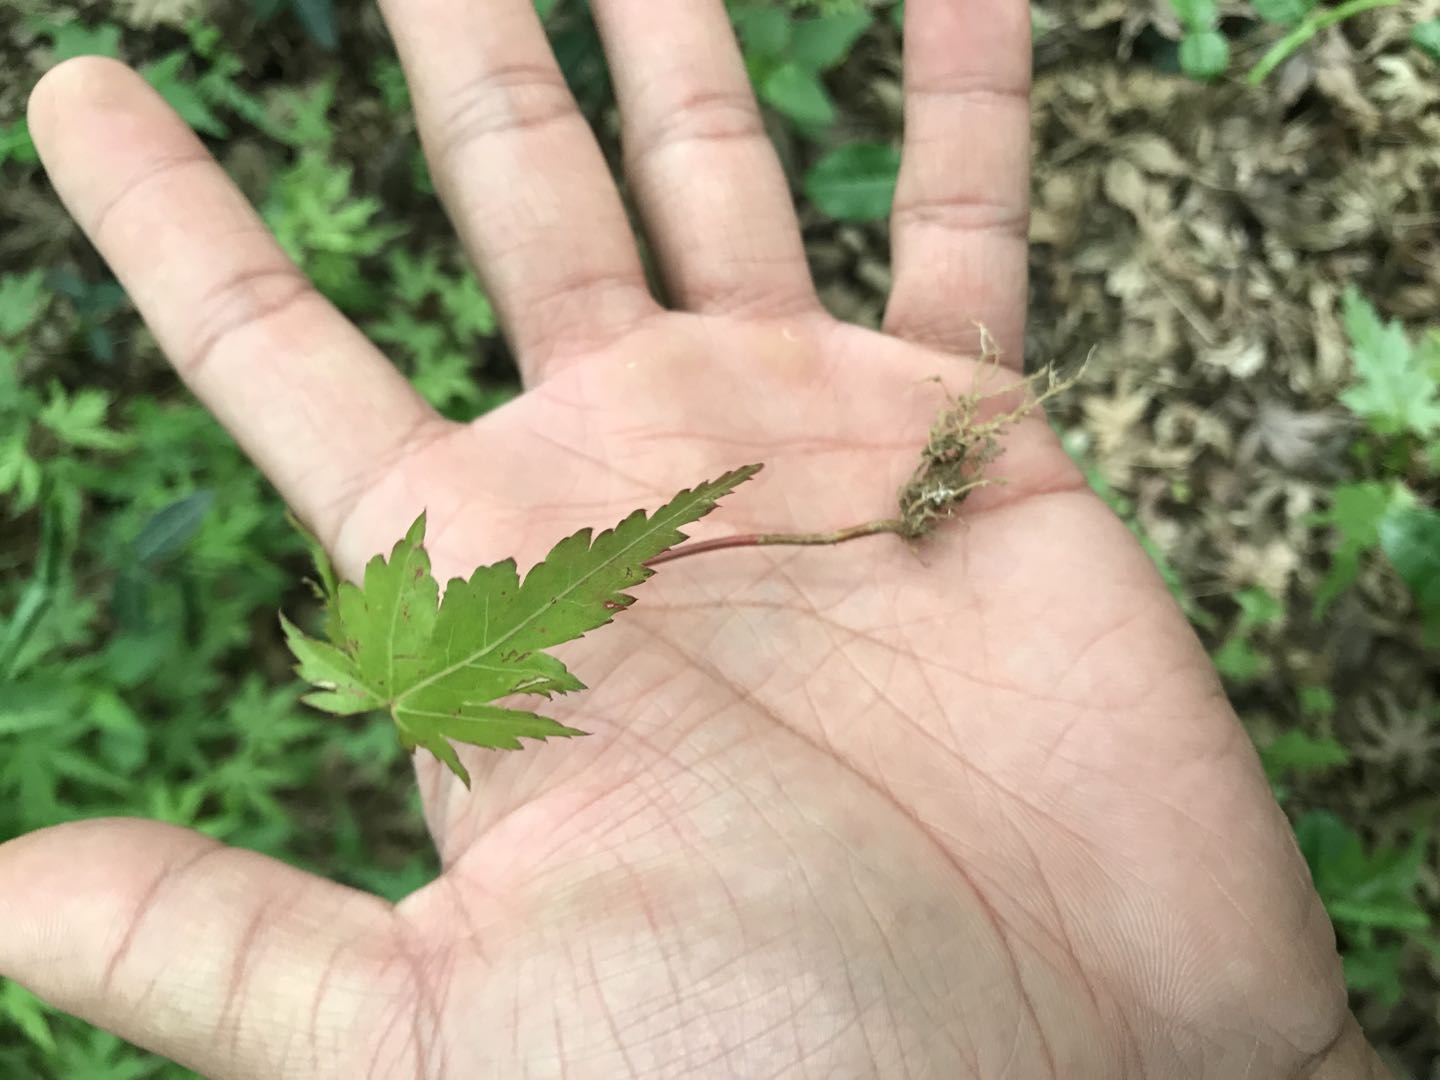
<point x="225" y="961"/>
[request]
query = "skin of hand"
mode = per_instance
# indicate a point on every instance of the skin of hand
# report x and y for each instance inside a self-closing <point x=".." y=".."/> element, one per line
<point x="972" y="808"/>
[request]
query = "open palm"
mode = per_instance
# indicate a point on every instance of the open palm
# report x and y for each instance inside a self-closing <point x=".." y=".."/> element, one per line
<point x="971" y="808"/>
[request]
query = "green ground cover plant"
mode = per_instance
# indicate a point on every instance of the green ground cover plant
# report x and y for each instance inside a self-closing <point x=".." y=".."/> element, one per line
<point x="1396" y="396"/>
<point x="1205" y="47"/>
<point x="788" y="52"/>
<point x="1388" y="517"/>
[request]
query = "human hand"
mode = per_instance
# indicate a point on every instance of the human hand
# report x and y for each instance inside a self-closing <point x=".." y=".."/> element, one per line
<point x="973" y="809"/>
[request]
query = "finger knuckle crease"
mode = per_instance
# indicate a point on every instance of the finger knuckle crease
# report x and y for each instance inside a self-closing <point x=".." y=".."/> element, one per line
<point x="972" y="91"/>
<point x="967" y="213"/>
<point x="243" y="301"/>
<point x="511" y="99"/>
<point x="563" y="314"/>
<point x="230" y="1025"/>
<point x="758" y="299"/>
<point x="158" y="170"/>
<point x="710" y="117"/>
<point x="582" y="284"/>
<point x="146" y="905"/>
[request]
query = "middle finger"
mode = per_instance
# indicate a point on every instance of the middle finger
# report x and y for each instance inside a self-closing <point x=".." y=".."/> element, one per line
<point x="709" y="182"/>
<point x="522" y="176"/>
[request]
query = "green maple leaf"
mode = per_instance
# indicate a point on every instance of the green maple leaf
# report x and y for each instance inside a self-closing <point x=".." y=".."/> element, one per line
<point x="1396" y="389"/>
<point x="438" y="666"/>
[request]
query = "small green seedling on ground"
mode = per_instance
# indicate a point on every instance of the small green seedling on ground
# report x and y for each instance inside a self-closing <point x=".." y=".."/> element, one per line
<point x="16" y="144"/>
<point x="1297" y="753"/>
<point x="96" y="303"/>
<point x="326" y="229"/>
<point x="70" y="39"/>
<point x="195" y="81"/>
<point x="1426" y="37"/>
<point x="60" y="419"/>
<point x="787" y="54"/>
<point x="1204" y="50"/>
<point x="1396" y="395"/>
<point x="1237" y="658"/>
<point x="434" y="323"/>
<point x="1410" y="539"/>
<point x="1373" y="897"/>
<point x="1307" y="19"/>
<point x="1397" y="388"/>
<point x="855" y="182"/>
<point x="1355" y="513"/>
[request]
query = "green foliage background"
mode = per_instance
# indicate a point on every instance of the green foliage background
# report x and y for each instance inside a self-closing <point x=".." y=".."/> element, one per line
<point x="142" y="559"/>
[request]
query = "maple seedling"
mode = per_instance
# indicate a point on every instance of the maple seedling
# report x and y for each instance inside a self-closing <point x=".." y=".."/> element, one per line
<point x="438" y="666"/>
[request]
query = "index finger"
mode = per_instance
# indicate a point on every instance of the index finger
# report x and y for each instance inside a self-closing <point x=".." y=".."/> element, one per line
<point x="311" y="401"/>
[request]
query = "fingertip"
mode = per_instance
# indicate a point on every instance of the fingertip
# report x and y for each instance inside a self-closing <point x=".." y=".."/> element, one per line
<point x="74" y="91"/>
<point x="143" y="929"/>
<point x="42" y="873"/>
<point x="92" y="843"/>
<point x="54" y="881"/>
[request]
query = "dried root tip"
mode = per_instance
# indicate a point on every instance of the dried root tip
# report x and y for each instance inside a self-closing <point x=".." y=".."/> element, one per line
<point x="952" y="465"/>
<point x="961" y="447"/>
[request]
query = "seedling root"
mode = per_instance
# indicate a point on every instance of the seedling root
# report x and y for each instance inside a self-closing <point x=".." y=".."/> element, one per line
<point x="953" y="463"/>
